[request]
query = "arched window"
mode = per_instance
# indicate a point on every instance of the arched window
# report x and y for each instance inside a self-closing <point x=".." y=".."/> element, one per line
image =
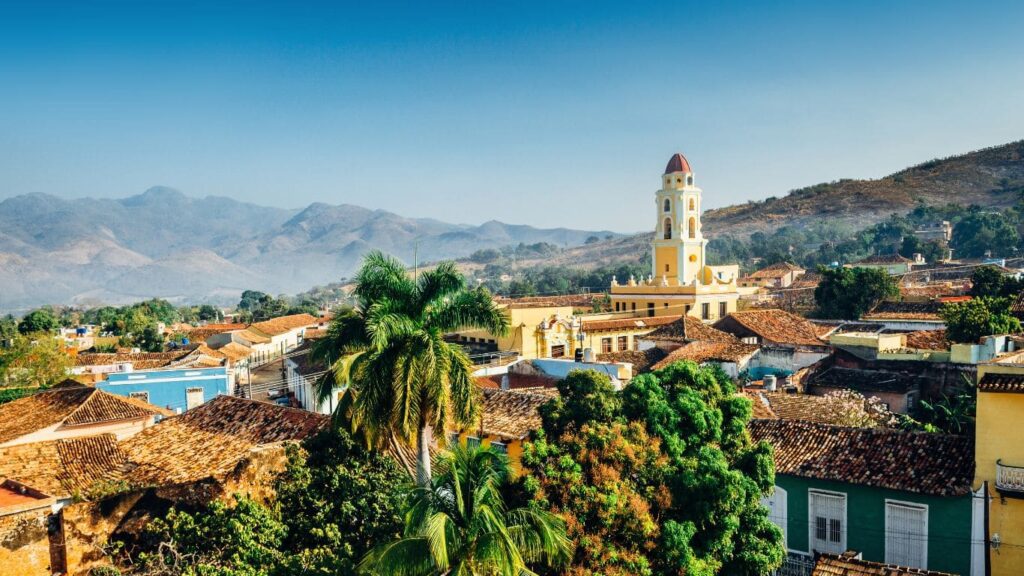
<point x="668" y="205"/>
<point x="689" y="180"/>
<point x="693" y="204"/>
<point x="693" y="227"/>
<point x="668" y="228"/>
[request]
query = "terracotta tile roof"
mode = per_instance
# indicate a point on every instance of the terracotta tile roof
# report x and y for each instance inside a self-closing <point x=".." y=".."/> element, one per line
<point x="709" y="351"/>
<point x="232" y="351"/>
<point x="138" y="360"/>
<point x="574" y="300"/>
<point x="65" y="467"/>
<point x="892" y="310"/>
<point x="517" y="381"/>
<point x="925" y="463"/>
<point x="642" y="361"/>
<point x="510" y="414"/>
<point x="686" y="329"/>
<point x="787" y="406"/>
<point x="212" y="439"/>
<point x="992" y="382"/>
<point x="201" y="333"/>
<point x="777" y="270"/>
<point x="69" y="405"/>
<point x="807" y="280"/>
<point x="865" y="380"/>
<point x="627" y="323"/>
<point x="314" y="333"/>
<point x="847" y="565"/>
<point x="283" y="324"/>
<point x="773" y="326"/>
<point x="1017" y="306"/>
<point x="928" y="340"/>
<point x="253" y="336"/>
<point x="884" y="259"/>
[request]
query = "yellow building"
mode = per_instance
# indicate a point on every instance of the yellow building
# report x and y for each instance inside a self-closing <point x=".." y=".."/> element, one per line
<point x="506" y="419"/>
<point x="999" y="456"/>
<point x="680" y="282"/>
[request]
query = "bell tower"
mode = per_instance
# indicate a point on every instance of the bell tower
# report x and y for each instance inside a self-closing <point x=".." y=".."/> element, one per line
<point x="677" y="252"/>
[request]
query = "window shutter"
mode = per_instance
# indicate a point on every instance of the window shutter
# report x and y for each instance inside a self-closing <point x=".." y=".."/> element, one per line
<point x="828" y="521"/>
<point x="906" y="534"/>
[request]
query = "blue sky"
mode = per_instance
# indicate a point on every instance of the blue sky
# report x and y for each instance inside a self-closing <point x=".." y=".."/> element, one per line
<point x="551" y="114"/>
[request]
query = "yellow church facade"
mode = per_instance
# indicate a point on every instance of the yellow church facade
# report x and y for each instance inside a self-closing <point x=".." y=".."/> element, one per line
<point x="681" y="281"/>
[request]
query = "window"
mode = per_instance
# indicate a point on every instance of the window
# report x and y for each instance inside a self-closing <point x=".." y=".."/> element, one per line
<point x="666" y="268"/>
<point x="634" y="306"/>
<point x="144" y="396"/>
<point x="616" y="306"/>
<point x="499" y="447"/>
<point x="693" y="227"/>
<point x="705" y="311"/>
<point x="777" y="511"/>
<point x="693" y="204"/>
<point x="472" y="442"/>
<point x="193" y="397"/>
<point x="906" y="534"/>
<point x="723" y="309"/>
<point x="558" y="351"/>
<point x="689" y="180"/>
<point x="623" y="343"/>
<point x="453" y="439"/>
<point x="668" y="205"/>
<point x="828" y="521"/>
<point x="668" y="228"/>
<point x="606" y="344"/>
<point x="650" y="309"/>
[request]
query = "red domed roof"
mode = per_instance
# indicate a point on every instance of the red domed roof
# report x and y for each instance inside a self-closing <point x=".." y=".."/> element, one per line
<point x="677" y="163"/>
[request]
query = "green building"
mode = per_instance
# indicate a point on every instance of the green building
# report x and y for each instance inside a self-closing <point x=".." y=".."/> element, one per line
<point x="896" y="497"/>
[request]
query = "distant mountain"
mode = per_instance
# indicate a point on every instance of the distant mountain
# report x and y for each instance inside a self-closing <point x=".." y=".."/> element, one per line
<point x="993" y="177"/>
<point x="166" y="244"/>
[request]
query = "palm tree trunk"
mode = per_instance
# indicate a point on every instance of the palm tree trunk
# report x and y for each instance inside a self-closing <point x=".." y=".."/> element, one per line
<point x="423" y="441"/>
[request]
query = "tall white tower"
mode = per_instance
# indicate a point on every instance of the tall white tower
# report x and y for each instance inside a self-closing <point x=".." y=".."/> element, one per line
<point x="677" y="252"/>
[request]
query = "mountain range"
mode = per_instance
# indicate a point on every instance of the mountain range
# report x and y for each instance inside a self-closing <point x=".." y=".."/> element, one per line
<point x="166" y="244"/>
<point x="163" y="243"/>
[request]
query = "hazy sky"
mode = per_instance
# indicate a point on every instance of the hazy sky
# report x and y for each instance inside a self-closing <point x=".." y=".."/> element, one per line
<point x="552" y="114"/>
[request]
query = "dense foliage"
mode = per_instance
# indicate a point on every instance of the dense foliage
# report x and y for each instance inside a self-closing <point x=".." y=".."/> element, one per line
<point x="460" y="524"/>
<point x="256" y="306"/>
<point x="42" y="320"/>
<point x="992" y="282"/>
<point x="33" y="361"/>
<point x="405" y="379"/>
<point x="661" y="478"/>
<point x="978" y="317"/>
<point x="847" y="293"/>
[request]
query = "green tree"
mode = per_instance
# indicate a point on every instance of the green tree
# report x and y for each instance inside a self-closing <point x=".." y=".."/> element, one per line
<point x="992" y="282"/>
<point x="405" y="378"/>
<point x="338" y="500"/>
<point x="460" y="524"/>
<point x="34" y="361"/>
<point x="208" y="313"/>
<point x="970" y="321"/>
<point x="952" y="413"/>
<point x="150" y="339"/>
<point x="930" y="251"/>
<point x="669" y="483"/>
<point x="980" y="232"/>
<point x="8" y="327"/>
<point x="847" y="293"/>
<point x="220" y="540"/>
<point x="41" y="320"/>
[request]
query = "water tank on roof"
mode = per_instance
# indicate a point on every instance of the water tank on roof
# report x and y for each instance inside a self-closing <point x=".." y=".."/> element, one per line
<point x="184" y="341"/>
<point x="769" y="382"/>
<point x="588" y="354"/>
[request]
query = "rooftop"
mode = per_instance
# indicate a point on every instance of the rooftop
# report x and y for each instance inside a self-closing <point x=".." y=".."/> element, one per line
<point x="884" y="259"/>
<point x="511" y="414"/>
<point x="895" y="310"/>
<point x="283" y="324"/>
<point x="677" y="163"/>
<point x="574" y="300"/>
<point x="627" y="323"/>
<point x="773" y="326"/>
<point x="69" y="404"/>
<point x="865" y="380"/>
<point x="642" y="361"/>
<point x="928" y="340"/>
<point x="785" y="406"/>
<point x="709" y="351"/>
<point x="686" y="329"/>
<point x="920" y="462"/>
<point x="992" y="382"/>
<point x="777" y="270"/>
<point x="65" y="467"/>
<point x="847" y="565"/>
<point x="138" y="360"/>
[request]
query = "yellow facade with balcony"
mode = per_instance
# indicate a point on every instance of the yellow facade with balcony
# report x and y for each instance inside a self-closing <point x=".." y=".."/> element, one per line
<point x="999" y="456"/>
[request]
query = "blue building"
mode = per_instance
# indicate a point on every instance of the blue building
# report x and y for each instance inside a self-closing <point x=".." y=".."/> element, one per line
<point x="175" y="389"/>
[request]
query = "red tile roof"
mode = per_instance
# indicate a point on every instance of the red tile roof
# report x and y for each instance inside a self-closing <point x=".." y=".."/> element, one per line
<point x="884" y="259"/>
<point x="921" y="462"/>
<point x="65" y="467"/>
<point x="993" y="382"/>
<point x="709" y="351"/>
<point x="847" y="565"/>
<point x="138" y="360"/>
<point x="777" y="270"/>
<point x="642" y="361"/>
<point x="574" y="300"/>
<point x="510" y="414"/>
<point x="283" y="324"/>
<point x="773" y="326"/>
<point x="686" y="329"/>
<point x="928" y="340"/>
<point x="627" y="323"/>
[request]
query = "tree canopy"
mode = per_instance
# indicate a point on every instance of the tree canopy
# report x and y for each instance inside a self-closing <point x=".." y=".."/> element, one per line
<point x="984" y="316"/>
<point x="847" y="293"/>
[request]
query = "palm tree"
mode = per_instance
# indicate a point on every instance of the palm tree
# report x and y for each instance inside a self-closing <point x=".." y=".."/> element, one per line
<point x="458" y="526"/>
<point x="404" y="379"/>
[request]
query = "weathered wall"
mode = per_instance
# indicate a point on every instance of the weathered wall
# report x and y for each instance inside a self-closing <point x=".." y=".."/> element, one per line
<point x="24" y="546"/>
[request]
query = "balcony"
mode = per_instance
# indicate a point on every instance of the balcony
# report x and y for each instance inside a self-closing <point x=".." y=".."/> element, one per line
<point x="1009" y="479"/>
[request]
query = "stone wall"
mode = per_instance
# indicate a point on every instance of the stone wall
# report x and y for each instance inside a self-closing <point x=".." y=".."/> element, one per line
<point x="24" y="544"/>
